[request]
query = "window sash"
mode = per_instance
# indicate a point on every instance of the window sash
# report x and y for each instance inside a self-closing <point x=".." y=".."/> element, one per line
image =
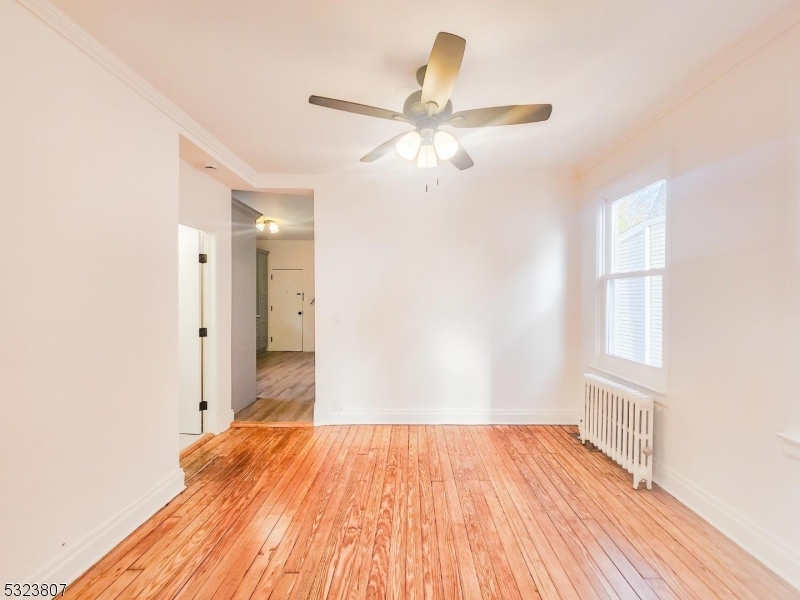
<point x="610" y="228"/>
<point x="633" y="274"/>
<point x="607" y="276"/>
<point x="634" y="332"/>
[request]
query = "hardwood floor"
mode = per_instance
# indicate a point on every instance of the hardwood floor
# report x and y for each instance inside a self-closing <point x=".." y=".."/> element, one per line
<point x="285" y="389"/>
<point x="420" y="512"/>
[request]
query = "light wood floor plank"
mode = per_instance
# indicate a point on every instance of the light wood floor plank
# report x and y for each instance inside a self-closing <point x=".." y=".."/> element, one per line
<point x="695" y="553"/>
<point x="285" y="389"/>
<point x="422" y="513"/>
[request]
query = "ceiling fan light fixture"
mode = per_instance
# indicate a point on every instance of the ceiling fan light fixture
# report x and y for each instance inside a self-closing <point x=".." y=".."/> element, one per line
<point x="408" y="145"/>
<point x="427" y="157"/>
<point x="445" y="144"/>
<point x="262" y="224"/>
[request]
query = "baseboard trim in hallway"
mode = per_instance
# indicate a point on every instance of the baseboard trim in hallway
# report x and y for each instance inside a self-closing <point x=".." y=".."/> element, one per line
<point x="204" y="437"/>
<point x="78" y="558"/>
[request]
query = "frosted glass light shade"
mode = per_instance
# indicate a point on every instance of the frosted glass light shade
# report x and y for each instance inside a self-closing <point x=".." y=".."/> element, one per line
<point x="427" y="157"/>
<point x="260" y="225"/>
<point x="273" y="227"/>
<point x="445" y="144"/>
<point x="408" y="145"/>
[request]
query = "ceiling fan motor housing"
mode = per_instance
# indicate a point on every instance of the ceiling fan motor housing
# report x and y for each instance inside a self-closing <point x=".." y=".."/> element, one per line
<point x="414" y="110"/>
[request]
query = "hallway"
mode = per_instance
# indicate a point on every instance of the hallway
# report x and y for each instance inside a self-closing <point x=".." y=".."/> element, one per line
<point x="285" y="388"/>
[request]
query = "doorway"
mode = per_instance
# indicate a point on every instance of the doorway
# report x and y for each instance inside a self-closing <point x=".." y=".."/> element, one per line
<point x="191" y="276"/>
<point x="284" y="309"/>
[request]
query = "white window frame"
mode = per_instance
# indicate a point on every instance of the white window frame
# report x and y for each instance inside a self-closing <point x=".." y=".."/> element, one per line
<point x="652" y="378"/>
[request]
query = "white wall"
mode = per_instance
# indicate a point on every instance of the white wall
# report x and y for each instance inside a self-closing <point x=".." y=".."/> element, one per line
<point x="243" y="306"/>
<point x="456" y="305"/>
<point x="88" y="360"/>
<point x="734" y="258"/>
<point x="205" y="205"/>
<point x="296" y="254"/>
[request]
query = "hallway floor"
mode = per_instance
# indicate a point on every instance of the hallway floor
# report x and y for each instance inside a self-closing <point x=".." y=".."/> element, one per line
<point x="285" y="389"/>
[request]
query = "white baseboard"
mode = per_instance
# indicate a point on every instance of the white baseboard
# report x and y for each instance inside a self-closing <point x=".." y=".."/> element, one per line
<point x="77" y="559"/>
<point x="224" y="422"/>
<point x="446" y="417"/>
<point x="775" y="554"/>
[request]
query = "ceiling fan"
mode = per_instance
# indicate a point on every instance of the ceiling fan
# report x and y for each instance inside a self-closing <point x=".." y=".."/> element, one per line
<point x="430" y="107"/>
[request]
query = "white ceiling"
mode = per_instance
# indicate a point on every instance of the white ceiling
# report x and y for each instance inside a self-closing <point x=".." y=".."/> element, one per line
<point x="244" y="69"/>
<point x="293" y="213"/>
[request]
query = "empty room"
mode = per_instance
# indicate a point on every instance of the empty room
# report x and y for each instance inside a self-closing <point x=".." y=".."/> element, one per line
<point x="448" y="300"/>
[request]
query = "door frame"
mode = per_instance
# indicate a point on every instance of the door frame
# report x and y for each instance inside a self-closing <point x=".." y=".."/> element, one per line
<point x="196" y="350"/>
<point x="216" y="377"/>
<point x="264" y="253"/>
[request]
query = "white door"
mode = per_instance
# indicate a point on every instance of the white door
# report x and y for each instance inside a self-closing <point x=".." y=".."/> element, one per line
<point x="286" y="310"/>
<point x="189" y="323"/>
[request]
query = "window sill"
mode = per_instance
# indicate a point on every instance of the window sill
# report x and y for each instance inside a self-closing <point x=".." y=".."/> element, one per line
<point x="659" y="395"/>
<point x="791" y="443"/>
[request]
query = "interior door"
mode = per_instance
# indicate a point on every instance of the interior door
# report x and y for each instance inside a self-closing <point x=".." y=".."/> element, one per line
<point x="286" y="310"/>
<point x="262" y="303"/>
<point x="189" y="323"/>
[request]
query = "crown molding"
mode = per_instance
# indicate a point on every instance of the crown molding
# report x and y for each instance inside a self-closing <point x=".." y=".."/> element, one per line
<point x="779" y="24"/>
<point x="189" y="128"/>
<point x="245" y="209"/>
<point x="308" y="180"/>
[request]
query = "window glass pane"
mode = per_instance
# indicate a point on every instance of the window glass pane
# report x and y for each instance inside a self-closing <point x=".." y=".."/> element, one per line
<point x="635" y="319"/>
<point x="638" y="230"/>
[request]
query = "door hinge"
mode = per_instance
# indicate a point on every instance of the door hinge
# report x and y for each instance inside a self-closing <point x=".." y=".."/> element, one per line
<point x="203" y="405"/>
<point x="203" y="332"/>
<point x="204" y="258"/>
<point x="270" y="338"/>
<point x="270" y="277"/>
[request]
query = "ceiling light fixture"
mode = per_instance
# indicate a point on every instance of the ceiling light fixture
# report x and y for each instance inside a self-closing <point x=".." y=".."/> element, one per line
<point x="445" y="144"/>
<point x="262" y="223"/>
<point x="427" y="156"/>
<point x="408" y="145"/>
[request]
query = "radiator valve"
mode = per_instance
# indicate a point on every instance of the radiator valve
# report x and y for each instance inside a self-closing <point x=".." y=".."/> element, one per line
<point x="648" y="451"/>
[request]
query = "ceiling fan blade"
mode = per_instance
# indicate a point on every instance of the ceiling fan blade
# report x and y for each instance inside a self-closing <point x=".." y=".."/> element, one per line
<point x="442" y="70"/>
<point x="461" y="160"/>
<point x="360" y="109"/>
<point x="501" y="115"/>
<point x="384" y="149"/>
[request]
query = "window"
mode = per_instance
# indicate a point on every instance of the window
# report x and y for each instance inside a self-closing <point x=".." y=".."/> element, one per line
<point x="633" y="274"/>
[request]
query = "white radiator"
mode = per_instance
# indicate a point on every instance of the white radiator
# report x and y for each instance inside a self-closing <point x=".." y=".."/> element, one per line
<point x="619" y="421"/>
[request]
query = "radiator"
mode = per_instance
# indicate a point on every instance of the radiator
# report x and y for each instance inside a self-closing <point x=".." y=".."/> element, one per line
<point x="618" y="420"/>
